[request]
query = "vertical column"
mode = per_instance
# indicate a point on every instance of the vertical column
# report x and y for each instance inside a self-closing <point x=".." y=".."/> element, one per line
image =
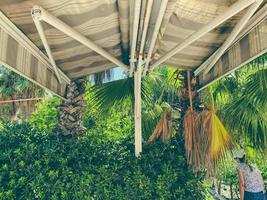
<point x="137" y="111"/>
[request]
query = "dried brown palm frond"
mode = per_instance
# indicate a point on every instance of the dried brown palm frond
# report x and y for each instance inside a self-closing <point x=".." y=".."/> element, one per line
<point x="191" y="131"/>
<point x="192" y="139"/>
<point x="206" y="139"/>
<point x="163" y="128"/>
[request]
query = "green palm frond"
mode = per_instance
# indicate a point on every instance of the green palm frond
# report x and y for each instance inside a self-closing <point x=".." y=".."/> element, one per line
<point x="225" y="90"/>
<point x="256" y="87"/>
<point x="108" y="94"/>
<point x="248" y="119"/>
<point x="242" y="98"/>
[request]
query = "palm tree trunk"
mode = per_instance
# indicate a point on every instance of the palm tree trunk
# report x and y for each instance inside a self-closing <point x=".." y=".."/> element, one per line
<point x="70" y="111"/>
<point x="184" y="101"/>
<point x="13" y="109"/>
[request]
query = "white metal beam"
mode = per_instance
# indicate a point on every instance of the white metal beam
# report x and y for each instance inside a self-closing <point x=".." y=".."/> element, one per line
<point x="137" y="112"/>
<point x="144" y="32"/>
<point x="162" y="10"/>
<point x="36" y="20"/>
<point x="233" y="10"/>
<point x="138" y="82"/>
<point x="229" y="41"/>
<point x="137" y="8"/>
<point x="60" y="25"/>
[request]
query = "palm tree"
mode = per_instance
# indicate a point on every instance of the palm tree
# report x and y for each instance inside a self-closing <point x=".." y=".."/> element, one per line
<point x="70" y="110"/>
<point x="243" y="97"/>
<point x="158" y="91"/>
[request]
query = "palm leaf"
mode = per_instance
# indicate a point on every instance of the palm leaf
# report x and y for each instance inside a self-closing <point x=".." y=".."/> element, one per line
<point x="108" y="94"/>
<point x="192" y="139"/>
<point x="256" y="87"/>
<point x="248" y="119"/>
<point x="163" y="128"/>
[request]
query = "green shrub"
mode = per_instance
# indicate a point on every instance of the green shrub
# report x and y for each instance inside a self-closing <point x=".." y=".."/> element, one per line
<point x="45" y="116"/>
<point x="37" y="165"/>
<point x="1" y="125"/>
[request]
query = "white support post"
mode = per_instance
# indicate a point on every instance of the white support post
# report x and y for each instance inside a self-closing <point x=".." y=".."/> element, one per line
<point x="36" y="20"/>
<point x="162" y="10"/>
<point x="233" y="10"/>
<point x="137" y="8"/>
<point x="137" y="112"/>
<point x="144" y="33"/>
<point x="240" y="25"/>
<point x="60" y="25"/>
<point x="137" y="85"/>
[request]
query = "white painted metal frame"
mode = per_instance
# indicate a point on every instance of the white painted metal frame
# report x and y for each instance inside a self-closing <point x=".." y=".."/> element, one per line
<point x="233" y="10"/>
<point x="138" y="82"/>
<point x="137" y="9"/>
<point x="207" y="66"/>
<point x="138" y="112"/>
<point x="35" y="16"/>
<point x="162" y="10"/>
<point x="13" y="31"/>
<point x="60" y="25"/>
<point x="19" y="36"/>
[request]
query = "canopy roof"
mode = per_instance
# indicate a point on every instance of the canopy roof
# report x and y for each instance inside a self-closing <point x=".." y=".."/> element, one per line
<point x="112" y="24"/>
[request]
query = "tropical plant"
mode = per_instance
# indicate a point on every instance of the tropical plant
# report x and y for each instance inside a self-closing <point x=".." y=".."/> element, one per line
<point x="45" y="116"/>
<point x="206" y="139"/>
<point x="245" y="102"/>
<point x="71" y="109"/>
<point x="241" y="100"/>
<point x="157" y="89"/>
<point x="164" y="127"/>
<point x="215" y="140"/>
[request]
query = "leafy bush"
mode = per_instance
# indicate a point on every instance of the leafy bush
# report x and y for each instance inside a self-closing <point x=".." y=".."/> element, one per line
<point x="45" y="116"/>
<point x="1" y="125"/>
<point x="38" y="165"/>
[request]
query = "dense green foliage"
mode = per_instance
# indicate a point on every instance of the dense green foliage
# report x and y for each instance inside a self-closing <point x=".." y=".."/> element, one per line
<point x="12" y="84"/>
<point x="37" y="165"/>
<point x="241" y="100"/>
<point x="45" y="116"/>
<point x="242" y="95"/>
<point x="158" y="91"/>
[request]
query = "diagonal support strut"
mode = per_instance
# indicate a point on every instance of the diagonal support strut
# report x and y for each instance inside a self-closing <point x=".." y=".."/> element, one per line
<point x="161" y="13"/>
<point x="233" y="10"/>
<point x="60" y="25"/>
<point x="39" y="27"/>
<point x="211" y="61"/>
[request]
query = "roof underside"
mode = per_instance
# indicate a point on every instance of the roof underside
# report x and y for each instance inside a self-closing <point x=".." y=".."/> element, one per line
<point x="108" y="23"/>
